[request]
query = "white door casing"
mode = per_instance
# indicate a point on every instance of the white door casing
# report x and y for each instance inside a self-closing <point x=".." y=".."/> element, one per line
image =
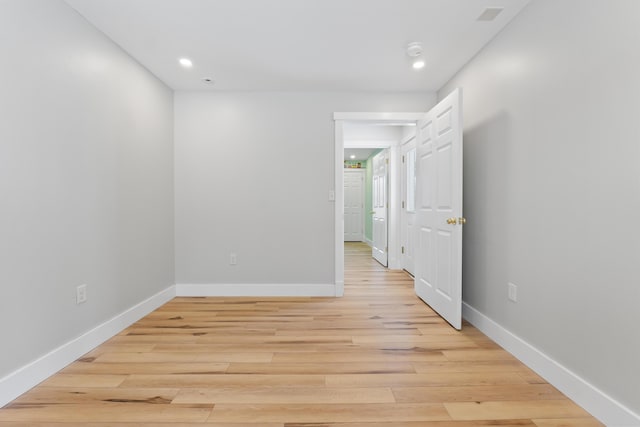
<point x="380" y="203"/>
<point x="353" y="205"/>
<point x="438" y="261"/>
<point x="408" y="212"/>
<point x="336" y="189"/>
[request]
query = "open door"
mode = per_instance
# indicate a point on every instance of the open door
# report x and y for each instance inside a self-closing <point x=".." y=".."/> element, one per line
<point x="408" y="215"/>
<point x="438" y="261"/>
<point x="380" y="205"/>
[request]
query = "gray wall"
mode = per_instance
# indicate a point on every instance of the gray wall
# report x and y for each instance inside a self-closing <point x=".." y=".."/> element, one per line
<point x="253" y="172"/>
<point x="86" y="179"/>
<point x="552" y="185"/>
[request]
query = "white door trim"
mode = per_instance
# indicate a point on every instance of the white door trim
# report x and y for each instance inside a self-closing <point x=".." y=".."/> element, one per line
<point x="337" y="192"/>
<point x="379" y="117"/>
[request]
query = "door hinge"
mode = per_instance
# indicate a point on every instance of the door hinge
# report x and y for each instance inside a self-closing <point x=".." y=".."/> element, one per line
<point x="403" y="204"/>
<point x="403" y="249"/>
<point x="402" y="159"/>
<point x="386" y="161"/>
<point x="386" y="248"/>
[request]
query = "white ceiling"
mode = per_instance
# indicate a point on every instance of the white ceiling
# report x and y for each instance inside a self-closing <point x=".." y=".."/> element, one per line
<point x="362" y="154"/>
<point x="299" y="45"/>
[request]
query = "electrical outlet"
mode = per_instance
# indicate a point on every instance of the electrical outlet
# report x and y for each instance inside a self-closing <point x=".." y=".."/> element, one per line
<point x="81" y="294"/>
<point x="512" y="292"/>
<point x="233" y="259"/>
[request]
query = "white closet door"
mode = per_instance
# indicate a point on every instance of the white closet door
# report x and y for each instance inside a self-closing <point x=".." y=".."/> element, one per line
<point x="380" y="205"/>
<point x="353" y="205"/>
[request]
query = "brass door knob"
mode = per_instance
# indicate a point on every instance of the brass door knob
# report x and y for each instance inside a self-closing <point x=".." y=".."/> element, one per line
<point x="462" y="220"/>
<point x="452" y="221"/>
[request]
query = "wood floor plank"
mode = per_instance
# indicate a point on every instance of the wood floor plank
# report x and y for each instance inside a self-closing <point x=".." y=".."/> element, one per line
<point x="299" y="339"/>
<point x="469" y="366"/>
<point x="465" y="393"/>
<point x="115" y="412"/>
<point x="407" y="339"/>
<point x="82" y="395"/>
<point x="120" y="347"/>
<point x="285" y="395"/>
<point x="568" y="422"/>
<point x="378" y="357"/>
<point x="425" y="380"/>
<point x="531" y="377"/>
<point x="83" y="380"/>
<point x="320" y="368"/>
<point x="239" y="380"/>
<point x="477" y="355"/>
<point x="250" y="348"/>
<point x="490" y="423"/>
<point x="145" y="368"/>
<point x="136" y="424"/>
<point x="515" y="409"/>
<point x="329" y="413"/>
<point x="352" y="332"/>
<point x="361" y="356"/>
<point x="184" y="357"/>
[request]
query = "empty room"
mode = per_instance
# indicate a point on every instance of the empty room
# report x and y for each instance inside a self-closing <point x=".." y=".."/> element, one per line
<point x="340" y="213"/>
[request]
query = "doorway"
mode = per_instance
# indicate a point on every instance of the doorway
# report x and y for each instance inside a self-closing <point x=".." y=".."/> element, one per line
<point x="437" y="197"/>
<point x="379" y="131"/>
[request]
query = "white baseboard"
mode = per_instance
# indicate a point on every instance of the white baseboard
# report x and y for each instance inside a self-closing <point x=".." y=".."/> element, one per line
<point x="368" y="242"/>
<point x="595" y="401"/>
<point x="339" y="288"/>
<point x="25" y="378"/>
<point x="256" y="290"/>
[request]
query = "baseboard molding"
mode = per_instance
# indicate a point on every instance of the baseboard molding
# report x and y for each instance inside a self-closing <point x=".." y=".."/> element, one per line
<point x="368" y="242"/>
<point x="256" y="290"/>
<point x="25" y="378"/>
<point x="595" y="401"/>
<point x="339" y="288"/>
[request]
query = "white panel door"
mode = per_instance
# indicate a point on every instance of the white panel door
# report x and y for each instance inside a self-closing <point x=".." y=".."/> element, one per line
<point x="379" y="213"/>
<point x="408" y="206"/>
<point x="353" y="205"/>
<point x="438" y="266"/>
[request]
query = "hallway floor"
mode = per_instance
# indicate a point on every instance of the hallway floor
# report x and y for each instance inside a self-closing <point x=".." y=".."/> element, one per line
<point x="378" y="357"/>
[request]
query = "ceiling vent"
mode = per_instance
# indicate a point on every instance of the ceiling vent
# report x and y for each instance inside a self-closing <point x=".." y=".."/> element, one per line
<point x="490" y="14"/>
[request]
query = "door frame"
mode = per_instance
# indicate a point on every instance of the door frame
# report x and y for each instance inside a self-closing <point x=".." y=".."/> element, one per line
<point x="337" y="193"/>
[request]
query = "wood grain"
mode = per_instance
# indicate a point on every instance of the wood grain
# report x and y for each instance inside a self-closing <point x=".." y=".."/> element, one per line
<point x="329" y="413"/>
<point x="377" y="357"/>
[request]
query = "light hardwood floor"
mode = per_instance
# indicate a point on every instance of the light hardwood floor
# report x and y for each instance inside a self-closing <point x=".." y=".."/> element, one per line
<point x="377" y="357"/>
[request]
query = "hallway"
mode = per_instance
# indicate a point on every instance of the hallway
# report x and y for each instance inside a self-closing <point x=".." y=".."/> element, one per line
<point x="377" y="357"/>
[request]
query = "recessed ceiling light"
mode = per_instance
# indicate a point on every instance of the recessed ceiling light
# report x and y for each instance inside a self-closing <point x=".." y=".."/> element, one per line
<point x="185" y="62"/>
<point x="490" y="14"/>
<point x="418" y="63"/>
<point x="353" y="156"/>
<point x="208" y="81"/>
